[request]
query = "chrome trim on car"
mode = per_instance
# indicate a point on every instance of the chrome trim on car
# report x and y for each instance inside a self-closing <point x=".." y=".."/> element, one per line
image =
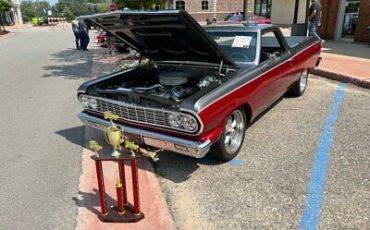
<point x="166" y="142"/>
<point x="142" y="115"/>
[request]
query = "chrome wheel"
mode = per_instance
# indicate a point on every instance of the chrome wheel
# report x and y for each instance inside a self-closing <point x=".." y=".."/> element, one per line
<point x="234" y="132"/>
<point x="300" y="85"/>
<point x="303" y="81"/>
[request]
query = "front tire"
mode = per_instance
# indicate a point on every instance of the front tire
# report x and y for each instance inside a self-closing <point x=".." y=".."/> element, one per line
<point x="232" y="137"/>
<point x="300" y="85"/>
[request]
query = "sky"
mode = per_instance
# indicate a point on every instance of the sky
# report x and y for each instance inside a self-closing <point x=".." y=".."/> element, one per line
<point x="52" y="2"/>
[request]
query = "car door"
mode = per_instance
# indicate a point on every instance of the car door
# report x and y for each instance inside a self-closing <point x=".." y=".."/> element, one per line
<point x="274" y="66"/>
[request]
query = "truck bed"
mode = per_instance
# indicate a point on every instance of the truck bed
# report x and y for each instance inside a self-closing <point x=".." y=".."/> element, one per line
<point x="296" y="40"/>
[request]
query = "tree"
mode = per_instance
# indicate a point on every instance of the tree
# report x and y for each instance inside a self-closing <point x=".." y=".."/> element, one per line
<point x="138" y="5"/>
<point x="68" y="14"/>
<point x="83" y="7"/>
<point x="103" y="8"/>
<point x="5" y="5"/>
<point x="31" y="9"/>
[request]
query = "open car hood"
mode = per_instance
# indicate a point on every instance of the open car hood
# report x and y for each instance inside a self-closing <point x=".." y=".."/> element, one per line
<point x="163" y="35"/>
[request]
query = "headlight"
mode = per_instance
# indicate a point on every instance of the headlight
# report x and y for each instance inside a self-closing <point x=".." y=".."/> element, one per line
<point x="93" y="103"/>
<point x="88" y="102"/>
<point x="183" y="121"/>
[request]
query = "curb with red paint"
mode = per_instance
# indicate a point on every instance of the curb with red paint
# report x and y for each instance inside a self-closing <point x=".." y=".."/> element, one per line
<point x="153" y="204"/>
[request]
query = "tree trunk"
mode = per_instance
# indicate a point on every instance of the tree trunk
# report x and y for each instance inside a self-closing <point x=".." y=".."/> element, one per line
<point x="2" y="21"/>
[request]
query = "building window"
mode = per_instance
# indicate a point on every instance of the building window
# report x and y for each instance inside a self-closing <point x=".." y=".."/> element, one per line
<point x="262" y="8"/>
<point x="180" y="5"/>
<point x="204" y="5"/>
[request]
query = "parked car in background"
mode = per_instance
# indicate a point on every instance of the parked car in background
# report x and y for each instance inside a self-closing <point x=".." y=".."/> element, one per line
<point x="202" y="87"/>
<point x="253" y="19"/>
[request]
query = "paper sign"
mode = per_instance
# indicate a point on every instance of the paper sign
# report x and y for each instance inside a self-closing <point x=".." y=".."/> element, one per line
<point x="242" y="41"/>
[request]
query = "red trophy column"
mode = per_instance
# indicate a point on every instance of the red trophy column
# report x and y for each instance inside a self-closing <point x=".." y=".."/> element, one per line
<point x="119" y="196"/>
<point x="121" y="169"/>
<point x="135" y="186"/>
<point x="99" y="174"/>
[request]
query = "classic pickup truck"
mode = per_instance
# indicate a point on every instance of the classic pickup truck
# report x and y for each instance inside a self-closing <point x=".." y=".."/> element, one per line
<point x="202" y="87"/>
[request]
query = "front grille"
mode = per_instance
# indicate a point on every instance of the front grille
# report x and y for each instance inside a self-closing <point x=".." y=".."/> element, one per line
<point x="134" y="113"/>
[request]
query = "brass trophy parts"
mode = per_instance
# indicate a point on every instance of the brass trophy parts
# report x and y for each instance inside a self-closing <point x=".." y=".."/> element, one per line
<point x="113" y="134"/>
<point x="94" y="146"/>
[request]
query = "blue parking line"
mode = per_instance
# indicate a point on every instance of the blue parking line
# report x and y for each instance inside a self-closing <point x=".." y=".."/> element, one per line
<point x="235" y="162"/>
<point x="316" y="185"/>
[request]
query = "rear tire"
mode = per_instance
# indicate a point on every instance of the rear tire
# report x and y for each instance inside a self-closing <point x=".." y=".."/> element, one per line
<point x="300" y="85"/>
<point x="232" y="137"/>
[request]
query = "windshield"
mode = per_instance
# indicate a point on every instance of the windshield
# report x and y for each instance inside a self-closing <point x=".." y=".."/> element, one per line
<point x="240" y="46"/>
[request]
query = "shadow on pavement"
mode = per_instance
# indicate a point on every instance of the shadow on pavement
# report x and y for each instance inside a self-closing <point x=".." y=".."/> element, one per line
<point x="72" y="64"/>
<point x="91" y="201"/>
<point x="172" y="166"/>
<point x="178" y="168"/>
<point x="74" y="135"/>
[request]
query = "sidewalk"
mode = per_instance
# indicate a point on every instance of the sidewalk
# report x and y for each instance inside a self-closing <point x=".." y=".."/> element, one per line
<point x="15" y="27"/>
<point x="345" y="61"/>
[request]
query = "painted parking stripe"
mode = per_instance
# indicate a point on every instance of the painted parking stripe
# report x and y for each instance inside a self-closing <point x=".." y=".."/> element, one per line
<point x="235" y="162"/>
<point x="316" y="185"/>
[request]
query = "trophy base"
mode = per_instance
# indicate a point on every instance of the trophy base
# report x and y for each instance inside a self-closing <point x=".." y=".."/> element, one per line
<point x="116" y="154"/>
<point x="128" y="216"/>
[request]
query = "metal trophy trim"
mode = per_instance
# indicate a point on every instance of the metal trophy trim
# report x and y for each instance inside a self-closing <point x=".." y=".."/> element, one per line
<point x="113" y="134"/>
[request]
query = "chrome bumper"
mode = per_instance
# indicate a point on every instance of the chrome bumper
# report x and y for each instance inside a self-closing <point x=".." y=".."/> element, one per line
<point x="162" y="141"/>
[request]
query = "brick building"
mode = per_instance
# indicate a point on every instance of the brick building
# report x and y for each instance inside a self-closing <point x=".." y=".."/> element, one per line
<point x="341" y="18"/>
<point x="363" y="22"/>
<point x="203" y="9"/>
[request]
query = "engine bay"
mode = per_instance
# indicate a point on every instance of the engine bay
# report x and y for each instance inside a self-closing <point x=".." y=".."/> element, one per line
<point x="163" y="86"/>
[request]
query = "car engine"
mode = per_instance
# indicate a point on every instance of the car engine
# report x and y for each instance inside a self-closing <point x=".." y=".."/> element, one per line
<point x="176" y="85"/>
<point x="159" y="86"/>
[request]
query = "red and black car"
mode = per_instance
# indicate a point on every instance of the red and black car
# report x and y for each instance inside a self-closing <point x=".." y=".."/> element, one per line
<point x="202" y="86"/>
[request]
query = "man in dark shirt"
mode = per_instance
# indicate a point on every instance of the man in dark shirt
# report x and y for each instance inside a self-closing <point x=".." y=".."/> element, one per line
<point x="76" y="33"/>
<point x="314" y="18"/>
<point x="84" y="34"/>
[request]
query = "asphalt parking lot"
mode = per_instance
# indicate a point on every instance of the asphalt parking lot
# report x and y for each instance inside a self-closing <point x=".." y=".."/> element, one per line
<point x="280" y="171"/>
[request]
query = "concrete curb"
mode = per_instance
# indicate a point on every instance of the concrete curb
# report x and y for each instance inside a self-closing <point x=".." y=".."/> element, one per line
<point x="364" y="83"/>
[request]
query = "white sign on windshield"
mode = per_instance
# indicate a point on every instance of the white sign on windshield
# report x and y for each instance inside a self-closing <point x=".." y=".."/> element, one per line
<point x="242" y="41"/>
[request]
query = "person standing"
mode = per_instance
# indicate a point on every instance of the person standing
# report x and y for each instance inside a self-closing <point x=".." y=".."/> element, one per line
<point x="84" y="34"/>
<point x="76" y="33"/>
<point x="314" y="18"/>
